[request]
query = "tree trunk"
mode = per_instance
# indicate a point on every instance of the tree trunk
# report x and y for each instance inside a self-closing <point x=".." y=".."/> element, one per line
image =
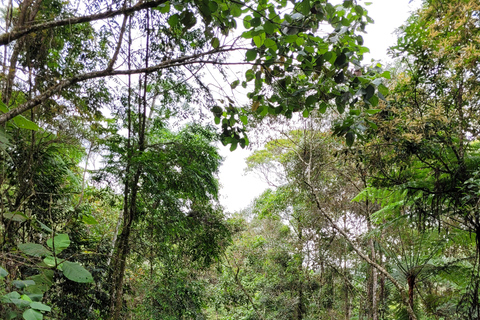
<point x="411" y="287"/>
<point x="374" y="311"/>
<point x="373" y="277"/>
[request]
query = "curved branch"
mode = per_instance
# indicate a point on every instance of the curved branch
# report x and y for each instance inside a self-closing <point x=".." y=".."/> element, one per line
<point x="8" y="37"/>
<point x="185" y="60"/>
<point x="364" y="256"/>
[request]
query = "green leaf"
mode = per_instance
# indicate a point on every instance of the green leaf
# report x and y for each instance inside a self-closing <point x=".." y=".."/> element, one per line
<point x="258" y="40"/>
<point x="3" y="273"/>
<point x="234" y="84"/>
<point x="304" y="7"/>
<point x="9" y="296"/>
<point x="350" y="138"/>
<point x="50" y="261"/>
<point x="40" y="306"/>
<point x="61" y="242"/>
<point x="188" y="19"/>
<point x="255" y="22"/>
<point x="164" y="7"/>
<point x="34" y="249"/>
<point x="31" y="314"/>
<point x="269" y="43"/>
<point x="310" y="100"/>
<point x="233" y="146"/>
<point x="20" y="284"/>
<point x="373" y="111"/>
<point x="35" y="297"/>
<point x="374" y="101"/>
<point x="269" y="27"/>
<point x="306" y="113"/>
<point x="215" y="43"/>
<point x="244" y="119"/>
<point x="213" y="6"/>
<point x="89" y="220"/>
<point x="43" y="281"/>
<point x="251" y="55"/>
<point x="249" y="75"/>
<point x="26" y="297"/>
<point x="4" y="139"/>
<point x="383" y="90"/>
<point x="386" y="75"/>
<point x="291" y="38"/>
<point x="309" y="49"/>
<point x="369" y="91"/>
<point x="3" y="107"/>
<point x="44" y="227"/>
<point x="20" y="303"/>
<point x="359" y="10"/>
<point x="15" y="216"/>
<point x="75" y="272"/>
<point x="173" y="20"/>
<point x="323" y="107"/>
<point x="341" y="60"/>
<point x="235" y="10"/>
<point x="246" y="22"/>
<point x="372" y="124"/>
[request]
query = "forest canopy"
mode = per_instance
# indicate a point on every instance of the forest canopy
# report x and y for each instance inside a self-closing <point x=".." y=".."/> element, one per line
<point x="109" y="131"/>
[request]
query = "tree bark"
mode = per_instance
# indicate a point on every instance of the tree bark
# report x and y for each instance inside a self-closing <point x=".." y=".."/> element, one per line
<point x="411" y="287"/>
<point x="373" y="288"/>
<point x="17" y="33"/>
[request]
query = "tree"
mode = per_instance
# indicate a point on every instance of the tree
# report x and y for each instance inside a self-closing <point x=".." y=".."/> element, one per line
<point x="286" y="42"/>
<point x="426" y="144"/>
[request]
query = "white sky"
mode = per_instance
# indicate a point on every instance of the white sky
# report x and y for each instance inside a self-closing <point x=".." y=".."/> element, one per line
<point x="239" y="189"/>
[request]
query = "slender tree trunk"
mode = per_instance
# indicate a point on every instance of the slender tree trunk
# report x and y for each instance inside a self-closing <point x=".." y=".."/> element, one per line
<point x="130" y="207"/>
<point x="374" y="311"/>
<point x="300" y="307"/>
<point x="373" y="277"/>
<point x="411" y="287"/>
<point x="345" y="275"/>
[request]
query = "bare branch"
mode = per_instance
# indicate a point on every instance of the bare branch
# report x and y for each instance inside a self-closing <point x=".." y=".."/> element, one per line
<point x="8" y="37"/>
<point x="185" y="60"/>
<point x="360" y="252"/>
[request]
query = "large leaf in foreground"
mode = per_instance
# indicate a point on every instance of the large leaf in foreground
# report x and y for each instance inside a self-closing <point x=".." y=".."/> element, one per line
<point x="75" y="272"/>
<point x="34" y="249"/>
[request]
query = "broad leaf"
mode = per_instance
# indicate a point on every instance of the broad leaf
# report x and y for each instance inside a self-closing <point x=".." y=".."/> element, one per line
<point x="88" y="219"/>
<point x="31" y="314"/>
<point x="34" y="249"/>
<point x="24" y="123"/>
<point x="9" y="296"/>
<point x="40" y="306"/>
<point x="75" y="272"/>
<point x="20" y="303"/>
<point x="60" y="241"/>
<point x="23" y="283"/>
<point x="50" y="261"/>
<point x="3" y="273"/>
<point x="15" y="216"/>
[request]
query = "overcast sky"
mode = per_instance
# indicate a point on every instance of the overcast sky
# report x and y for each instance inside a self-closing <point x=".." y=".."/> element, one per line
<point x="239" y="189"/>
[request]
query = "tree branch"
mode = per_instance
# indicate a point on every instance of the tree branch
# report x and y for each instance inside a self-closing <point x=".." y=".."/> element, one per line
<point x="181" y="61"/>
<point x="365" y="257"/>
<point x="8" y="37"/>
